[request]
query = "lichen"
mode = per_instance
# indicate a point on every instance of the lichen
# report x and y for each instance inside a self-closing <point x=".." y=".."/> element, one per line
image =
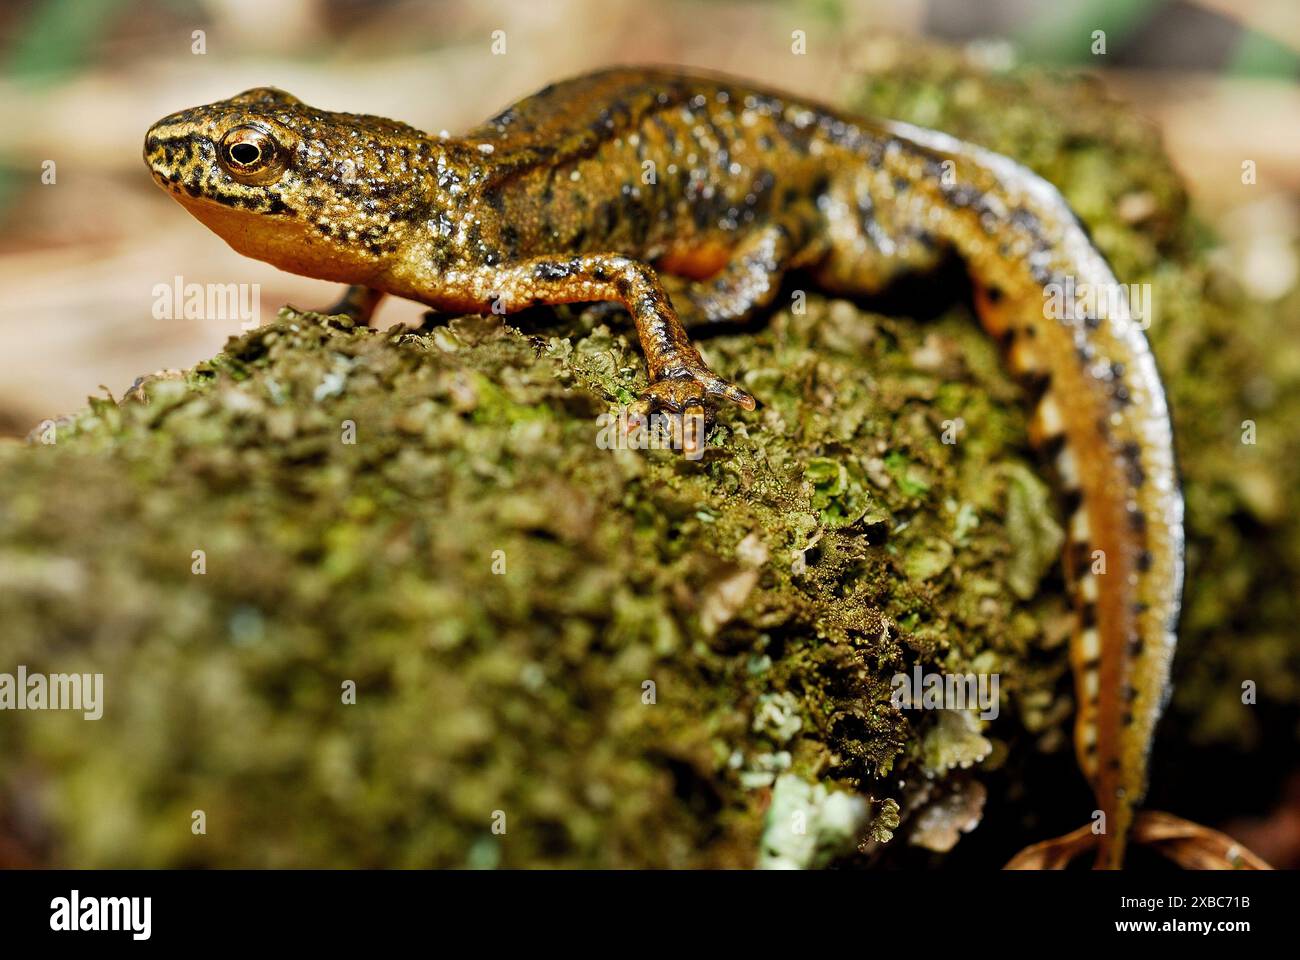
<point x="808" y="826"/>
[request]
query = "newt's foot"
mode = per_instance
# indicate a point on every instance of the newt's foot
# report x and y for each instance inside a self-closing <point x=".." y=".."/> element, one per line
<point x="1190" y="845"/>
<point x="686" y="431"/>
<point x="688" y="402"/>
<point x="688" y="399"/>
<point x="694" y="387"/>
<point x="1054" y="854"/>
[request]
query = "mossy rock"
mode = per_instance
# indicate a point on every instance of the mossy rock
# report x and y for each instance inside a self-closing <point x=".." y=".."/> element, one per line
<point x="614" y="655"/>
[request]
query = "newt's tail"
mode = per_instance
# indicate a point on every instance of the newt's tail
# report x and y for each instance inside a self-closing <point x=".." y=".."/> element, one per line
<point x="1190" y="845"/>
<point x="1072" y="329"/>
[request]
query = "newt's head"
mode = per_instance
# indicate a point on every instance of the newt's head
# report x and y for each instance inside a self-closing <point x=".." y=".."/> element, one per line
<point x="324" y="194"/>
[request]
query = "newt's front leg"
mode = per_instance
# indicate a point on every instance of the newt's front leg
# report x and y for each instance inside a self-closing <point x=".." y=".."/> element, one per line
<point x="679" y="379"/>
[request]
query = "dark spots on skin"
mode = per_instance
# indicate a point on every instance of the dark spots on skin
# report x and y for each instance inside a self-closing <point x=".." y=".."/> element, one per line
<point x="702" y="212"/>
<point x="1088" y="615"/>
<point x="277" y="207"/>
<point x="236" y="200"/>
<point x="649" y="303"/>
<point x="1051" y="448"/>
<point x="866" y="208"/>
<point x="957" y="194"/>
<point x="1027" y="221"/>
<point x="607" y="217"/>
<point x="1137" y="521"/>
<point x="797" y="139"/>
<point x="602" y="125"/>
<point x="668" y="131"/>
<point x="1132" y="454"/>
<point x="551" y="271"/>
<point x="503" y="119"/>
<point x="510" y="239"/>
<point x="635" y="215"/>
<point x="1071" y="500"/>
<point x="1144" y="561"/>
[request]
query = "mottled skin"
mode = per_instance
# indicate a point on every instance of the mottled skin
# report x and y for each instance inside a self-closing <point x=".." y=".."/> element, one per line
<point x="594" y="188"/>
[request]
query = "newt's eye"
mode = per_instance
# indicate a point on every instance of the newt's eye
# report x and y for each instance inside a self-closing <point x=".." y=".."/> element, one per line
<point x="250" y="154"/>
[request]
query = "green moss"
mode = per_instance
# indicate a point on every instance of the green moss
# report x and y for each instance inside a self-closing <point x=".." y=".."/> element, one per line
<point x="619" y="652"/>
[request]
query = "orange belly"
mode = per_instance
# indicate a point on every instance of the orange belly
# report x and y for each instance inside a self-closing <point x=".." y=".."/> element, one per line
<point x="698" y="262"/>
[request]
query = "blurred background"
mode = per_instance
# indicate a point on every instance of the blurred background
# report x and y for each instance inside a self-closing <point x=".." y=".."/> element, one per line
<point x="81" y="81"/>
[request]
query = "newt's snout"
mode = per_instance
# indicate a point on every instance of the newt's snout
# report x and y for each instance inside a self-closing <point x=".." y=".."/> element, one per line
<point x="159" y="157"/>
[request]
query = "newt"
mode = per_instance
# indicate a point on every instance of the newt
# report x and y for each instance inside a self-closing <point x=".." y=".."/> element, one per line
<point x="607" y="186"/>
